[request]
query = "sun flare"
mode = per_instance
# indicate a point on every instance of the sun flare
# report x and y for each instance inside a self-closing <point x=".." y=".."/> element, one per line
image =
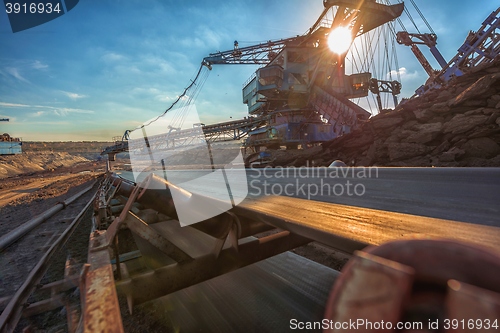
<point x="340" y="40"/>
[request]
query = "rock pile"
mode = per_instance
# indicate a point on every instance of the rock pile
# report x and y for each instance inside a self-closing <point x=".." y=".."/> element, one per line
<point x="454" y="126"/>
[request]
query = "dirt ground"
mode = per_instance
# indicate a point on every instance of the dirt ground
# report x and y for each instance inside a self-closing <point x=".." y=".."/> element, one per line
<point x="25" y="196"/>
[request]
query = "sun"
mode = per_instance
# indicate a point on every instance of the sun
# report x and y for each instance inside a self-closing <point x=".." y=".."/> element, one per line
<point x="340" y="39"/>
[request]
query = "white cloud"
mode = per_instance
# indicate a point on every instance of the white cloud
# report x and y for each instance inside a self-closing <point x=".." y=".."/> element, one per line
<point x="210" y="37"/>
<point x="144" y="91"/>
<point x="206" y="38"/>
<point x="151" y="63"/>
<point x="59" y="111"/>
<point x="157" y="94"/>
<point x="12" y="105"/>
<point x="112" y="57"/>
<point x="39" y="65"/>
<point x="127" y="70"/>
<point x="38" y="114"/>
<point x="163" y="98"/>
<point x="15" y="73"/>
<point x="66" y="111"/>
<point x="43" y="122"/>
<point x="403" y="72"/>
<point x="73" y="95"/>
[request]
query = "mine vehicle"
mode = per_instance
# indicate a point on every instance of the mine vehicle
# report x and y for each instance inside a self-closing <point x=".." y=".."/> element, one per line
<point x="8" y="144"/>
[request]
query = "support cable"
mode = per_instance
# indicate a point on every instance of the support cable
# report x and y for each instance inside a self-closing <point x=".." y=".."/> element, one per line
<point x="179" y="98"/>
<point x="422" y="16"/>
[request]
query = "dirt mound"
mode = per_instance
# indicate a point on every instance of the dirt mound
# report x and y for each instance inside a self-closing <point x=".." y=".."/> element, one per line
<point x="454" y="126"/>
<point x="30" y="162"/>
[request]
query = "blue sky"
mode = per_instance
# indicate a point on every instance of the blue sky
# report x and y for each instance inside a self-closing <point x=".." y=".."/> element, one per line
<point x="110" y="65"/>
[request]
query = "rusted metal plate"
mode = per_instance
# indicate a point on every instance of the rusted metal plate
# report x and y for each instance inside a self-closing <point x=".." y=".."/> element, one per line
<point x="102" y="312"/>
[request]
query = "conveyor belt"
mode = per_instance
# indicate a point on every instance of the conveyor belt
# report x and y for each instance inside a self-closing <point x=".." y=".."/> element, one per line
<point x="262" y="297"/>
<point x="349" y="228"/>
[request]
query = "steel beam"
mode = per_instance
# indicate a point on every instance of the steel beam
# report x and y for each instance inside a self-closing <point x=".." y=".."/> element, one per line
<point x="101" y="311"/>
<point x="142" y="229"/>
<point x="165" y="280"/>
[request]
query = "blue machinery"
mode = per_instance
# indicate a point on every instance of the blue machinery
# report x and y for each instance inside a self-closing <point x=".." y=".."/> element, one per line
<point x="301" y="93"/>
<point x="480" y="47"/>
<point x="302" y="89"/>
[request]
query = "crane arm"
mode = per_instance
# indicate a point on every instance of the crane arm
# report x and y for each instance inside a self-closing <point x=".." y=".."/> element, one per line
<point x="430" y="40"/>
<point x="260" y="54"/>
<point x="423" y="61"/>
<point x="350" y="12"/>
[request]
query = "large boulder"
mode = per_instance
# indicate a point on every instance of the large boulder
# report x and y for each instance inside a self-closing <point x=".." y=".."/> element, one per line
<point x="369" y="156"/>
<point x="494" y="101"/>
<point x="419" y="161"/>
<point x="405" y="150"/>
<point x="384" y="123"/>
<point x="425" y="132"/>
<point x="424" y="115"/>
<point x="480" y="88"/>
<point x="462" y="123"/>
<point x="481" y="147"/>
<point x="358" y="142"/>
<point x="440" y="108"/>
<point x="451" y="155"/>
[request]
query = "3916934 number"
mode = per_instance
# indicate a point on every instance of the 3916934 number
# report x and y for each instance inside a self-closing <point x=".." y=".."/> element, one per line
<point x="485" y="324"/>
<point x="32" y="8"/>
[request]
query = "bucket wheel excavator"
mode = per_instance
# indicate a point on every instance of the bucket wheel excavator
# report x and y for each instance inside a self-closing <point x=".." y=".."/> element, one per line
<point x="301" y="95"/>
<point x="302" y="92"/>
